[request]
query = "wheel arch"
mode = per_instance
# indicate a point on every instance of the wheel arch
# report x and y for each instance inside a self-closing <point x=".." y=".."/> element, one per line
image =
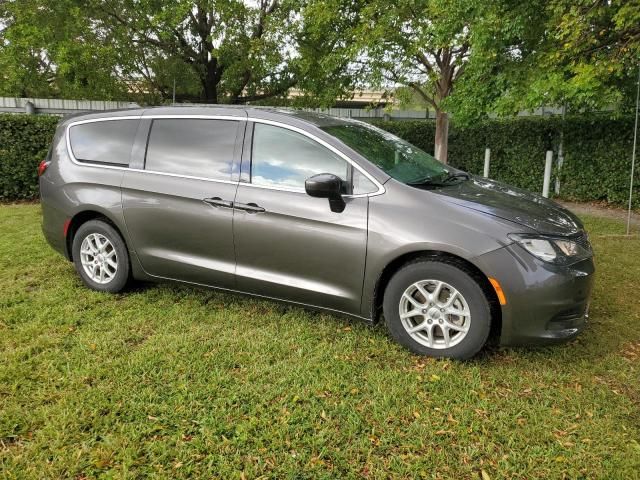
<point x="473" y="270"/>
<point x="82" y="217"/>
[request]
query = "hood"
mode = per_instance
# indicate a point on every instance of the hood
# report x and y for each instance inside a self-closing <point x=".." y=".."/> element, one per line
<point x="513" y="204"/>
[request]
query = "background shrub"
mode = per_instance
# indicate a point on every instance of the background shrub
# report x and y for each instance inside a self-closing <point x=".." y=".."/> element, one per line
<point x="24" y="141"/>
<point x="597" y="151"/>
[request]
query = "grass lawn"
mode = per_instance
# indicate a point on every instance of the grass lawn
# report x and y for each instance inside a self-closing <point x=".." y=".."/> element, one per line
<point x="175" y="382"/>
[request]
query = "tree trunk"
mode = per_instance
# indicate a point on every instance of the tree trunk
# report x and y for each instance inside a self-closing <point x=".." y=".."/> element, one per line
<point x="442" y="136"/>
<point x="209" y="90"/>
<point x="210" y="81"/>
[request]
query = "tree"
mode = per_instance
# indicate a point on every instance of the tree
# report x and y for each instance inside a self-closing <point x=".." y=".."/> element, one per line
<point x="434" y="46"/>
<point x="587" y="57"/>
<point x="419" y="44"/>
<point x="232" y="51"/>
<point x="50" y="49"/>
<point x="238" y="51"/>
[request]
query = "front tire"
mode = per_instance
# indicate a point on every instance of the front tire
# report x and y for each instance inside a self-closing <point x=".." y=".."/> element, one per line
<point x="100" y="257"/>
<point x="436" y="308"/>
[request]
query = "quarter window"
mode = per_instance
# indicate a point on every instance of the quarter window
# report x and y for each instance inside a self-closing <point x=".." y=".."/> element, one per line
<point x="107" y="141"/>
<point x="192" y="147"/>
<point x="284" y="158"/>
<point x="361" y="184"/>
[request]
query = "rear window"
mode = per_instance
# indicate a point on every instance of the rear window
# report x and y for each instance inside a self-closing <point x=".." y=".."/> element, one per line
<point x="108" y="142"/>
<point x="192" y="147"/>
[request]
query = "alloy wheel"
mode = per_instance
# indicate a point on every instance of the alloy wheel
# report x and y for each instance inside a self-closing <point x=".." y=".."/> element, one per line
<point x="98" y="257"/>
<point x="434" y="314"/>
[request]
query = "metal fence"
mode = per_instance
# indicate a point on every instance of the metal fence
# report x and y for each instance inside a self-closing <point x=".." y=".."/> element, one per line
<point x="61" y="107"/>
<point x="365" y="113"/>
<point x="53" y="106"/>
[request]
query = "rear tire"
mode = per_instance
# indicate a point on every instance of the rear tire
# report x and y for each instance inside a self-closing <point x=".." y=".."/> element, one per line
<point x="436" y="308"/>
<point x="100" y="257"/>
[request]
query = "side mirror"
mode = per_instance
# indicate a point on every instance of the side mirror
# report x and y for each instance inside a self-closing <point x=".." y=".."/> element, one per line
<point x="326" y="185"/>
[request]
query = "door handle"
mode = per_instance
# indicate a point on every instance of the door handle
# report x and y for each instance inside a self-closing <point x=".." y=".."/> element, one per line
<point x="249" y="207"/>
<point x="218" y="202"/>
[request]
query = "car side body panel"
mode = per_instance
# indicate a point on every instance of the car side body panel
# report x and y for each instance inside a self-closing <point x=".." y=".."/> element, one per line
<point x="176" y="234"/>
<point x="298" y="249"/>
<point x="179" y="231"/>
<point x="69" y="189"/>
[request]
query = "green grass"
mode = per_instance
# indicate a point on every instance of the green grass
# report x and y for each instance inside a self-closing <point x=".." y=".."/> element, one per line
<point x="176" y="382"/>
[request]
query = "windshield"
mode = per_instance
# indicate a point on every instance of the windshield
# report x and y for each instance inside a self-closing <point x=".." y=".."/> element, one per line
<point x="399" y="159"/>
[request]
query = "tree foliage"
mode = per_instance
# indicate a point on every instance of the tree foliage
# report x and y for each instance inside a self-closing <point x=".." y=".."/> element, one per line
<point x="444" y="50"/>
<point x="51" y="49"/>
<point x="586" y="57"/>
<point x="465" y="57"/>
<point x="232" y="51"/>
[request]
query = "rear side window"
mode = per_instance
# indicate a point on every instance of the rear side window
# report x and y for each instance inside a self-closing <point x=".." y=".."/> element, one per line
<point x="107" y="142"/>
<point x="192" y="147"/>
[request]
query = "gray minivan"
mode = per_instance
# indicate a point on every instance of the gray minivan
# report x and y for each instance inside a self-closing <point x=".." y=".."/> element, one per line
<point x="318" y="211"/>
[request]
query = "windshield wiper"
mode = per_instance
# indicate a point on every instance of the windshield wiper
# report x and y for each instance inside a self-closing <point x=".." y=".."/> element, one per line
<point x="431" y="181"/>
<point x="453" y="176"/>
<point x="421" y="181"/>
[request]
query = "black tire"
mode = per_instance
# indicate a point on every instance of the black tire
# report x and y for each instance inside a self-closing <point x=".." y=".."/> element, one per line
<point x="454" y="274"/>
<point x="121" y="277"/>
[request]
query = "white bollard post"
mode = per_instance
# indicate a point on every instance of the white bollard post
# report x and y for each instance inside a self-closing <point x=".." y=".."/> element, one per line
<point x="30" y="108"/>
<point x="487" y="159"/>
<point x="547" y="174"/>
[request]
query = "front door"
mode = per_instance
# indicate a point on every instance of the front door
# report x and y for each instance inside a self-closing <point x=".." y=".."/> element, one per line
<point x="288" y="244"/>
<point x="178" y="209"/>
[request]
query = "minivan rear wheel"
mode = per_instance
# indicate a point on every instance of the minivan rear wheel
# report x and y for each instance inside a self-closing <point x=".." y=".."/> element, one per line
<point x="437" y="308"/>
<point x="100" y="257"/>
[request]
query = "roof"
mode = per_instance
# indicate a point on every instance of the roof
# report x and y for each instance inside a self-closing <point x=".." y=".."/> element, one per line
<point x="274" y="113"/>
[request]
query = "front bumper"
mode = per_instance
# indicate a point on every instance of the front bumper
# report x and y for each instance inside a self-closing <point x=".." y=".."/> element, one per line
<point x="545" y="303"/>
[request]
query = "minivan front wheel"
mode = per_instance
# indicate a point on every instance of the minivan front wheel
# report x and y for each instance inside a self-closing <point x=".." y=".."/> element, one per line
<point x="100" y="257"/>
<point x="437" y="308"/>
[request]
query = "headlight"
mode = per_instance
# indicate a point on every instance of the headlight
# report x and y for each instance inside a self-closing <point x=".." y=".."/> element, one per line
<point x="559" y="251"/>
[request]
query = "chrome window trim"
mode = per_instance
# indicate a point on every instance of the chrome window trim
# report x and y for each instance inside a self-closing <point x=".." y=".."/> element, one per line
<point x="380" y="188"/>
<point x="188" y="177"/>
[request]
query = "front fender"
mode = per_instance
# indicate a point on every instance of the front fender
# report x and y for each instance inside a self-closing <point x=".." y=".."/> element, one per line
<point x="406" y="221"/>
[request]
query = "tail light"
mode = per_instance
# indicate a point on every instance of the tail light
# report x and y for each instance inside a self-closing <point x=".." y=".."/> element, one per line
<point x="43" y="167"/>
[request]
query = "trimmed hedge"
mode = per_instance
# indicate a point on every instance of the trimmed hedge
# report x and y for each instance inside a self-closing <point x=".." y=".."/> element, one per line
<point x="597" y="151"/>
<point x="24" y="142"/>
